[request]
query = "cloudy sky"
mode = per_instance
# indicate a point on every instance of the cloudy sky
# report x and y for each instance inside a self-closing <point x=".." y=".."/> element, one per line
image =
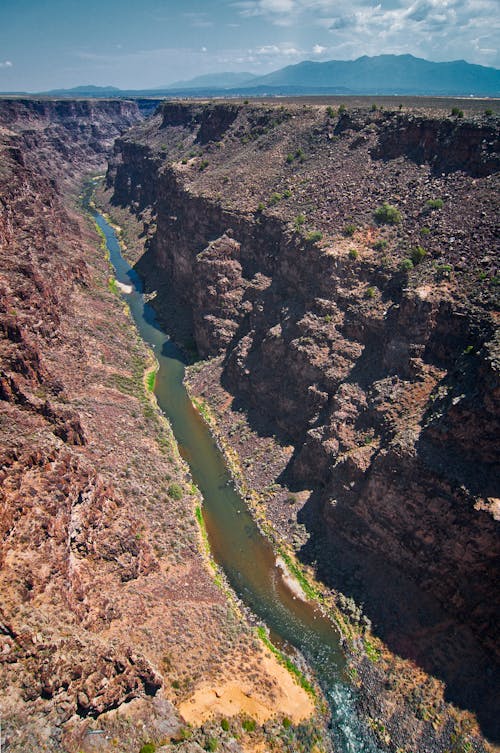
<point x="132" y="44"/>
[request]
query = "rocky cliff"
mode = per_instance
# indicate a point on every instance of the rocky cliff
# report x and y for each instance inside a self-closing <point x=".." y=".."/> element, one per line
<point x="342" y="266"/>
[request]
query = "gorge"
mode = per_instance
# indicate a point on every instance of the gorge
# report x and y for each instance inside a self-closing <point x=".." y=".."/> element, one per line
<point x="335" y="269"/>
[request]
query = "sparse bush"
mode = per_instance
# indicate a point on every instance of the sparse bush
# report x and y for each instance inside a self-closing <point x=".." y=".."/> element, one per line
<point x="406" y="265"/>
<point x="380" y="245"/>
<point x="287" y="723"/>
<point x="374" y="107"/>
<point x="245" y="101"/>
<point x="425" y="231"/>
<point x="370" y="293"/>
<point x="342" y="109"/>
<point x="457" y="112"/>
<point x="248" y="725"/>
<point x="275" y="198"/>
<point x="299" y="221"/>
<point x="349" y="230"/>
<point x="184" y="161"/>
<point x="148" y="748"/>
<point x="289" y="158"/>
<point x="434" y="204"/>
<point x="287" y="193"/>
<point x="211" y="744"/>
<point x="417" y="254"/>
<point x="330" y="112"/>
<point x="174" y="491"/>
<point x="299" y="154"/>
<point x="225" y="725"/>
<point x="203" y="164"/>
<point x="353" y="254"/>
<point x="386" y="214"/>
<point x="315" y="236"/>
<point x="444" y="270"/>
<point x="488" y="112"/>
<point x="260" y="207"/>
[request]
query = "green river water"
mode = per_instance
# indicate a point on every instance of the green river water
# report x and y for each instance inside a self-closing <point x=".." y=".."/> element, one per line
<point x="236" y="542"/>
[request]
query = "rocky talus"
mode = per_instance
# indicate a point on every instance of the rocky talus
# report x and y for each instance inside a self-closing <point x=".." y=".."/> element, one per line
<point x="342" y="268"/>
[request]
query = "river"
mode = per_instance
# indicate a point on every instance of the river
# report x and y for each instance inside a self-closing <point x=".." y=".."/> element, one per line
<point x="236" y="542"/>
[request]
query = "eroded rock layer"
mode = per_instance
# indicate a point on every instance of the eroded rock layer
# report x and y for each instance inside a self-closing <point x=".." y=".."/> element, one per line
<point x="342" y="266"/>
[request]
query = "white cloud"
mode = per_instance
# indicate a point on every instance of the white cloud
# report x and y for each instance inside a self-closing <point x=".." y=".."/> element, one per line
<point x="318" y="49"/>
<point x="6" y="64"/>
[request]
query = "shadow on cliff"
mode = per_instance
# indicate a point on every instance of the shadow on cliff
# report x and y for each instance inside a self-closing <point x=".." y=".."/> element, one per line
<point x="409" y="621"/>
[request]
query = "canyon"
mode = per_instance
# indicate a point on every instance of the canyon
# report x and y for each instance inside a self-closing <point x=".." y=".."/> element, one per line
<point x="335" y="271"/>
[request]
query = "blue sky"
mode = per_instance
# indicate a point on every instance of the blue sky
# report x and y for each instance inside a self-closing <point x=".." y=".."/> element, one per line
<point x="62" y="43"/>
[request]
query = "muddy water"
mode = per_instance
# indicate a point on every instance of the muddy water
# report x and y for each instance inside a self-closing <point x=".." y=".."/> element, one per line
<point x="236" y="543"/>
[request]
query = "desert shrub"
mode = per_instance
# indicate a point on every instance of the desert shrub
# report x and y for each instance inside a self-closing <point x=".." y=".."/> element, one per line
<point x="211" y="744"/>
<point x="370" y="293"/>
<point x="275" y="198"/>
<point x="386" y="214"/>
<point x="315" y="236"/>
<point x="374" y="107"/>
<point x="225" y="725"/>
<point x="444" y="270"/>
<point x="287" y="193"/>
<point x="174" y="491"/>
<point x="299" y="221"/>
<point x="248" y="725"/>
<point x="342" y="109"/>
<point x="417" y="254"/>
<point x="488" y="112"/>
<point x="203" y="164"/>
<point x="289" y="158"/>
<point x="148" y="748"/>
<point x="287" y="723"/>
<point x="380" y="245"/>
<point x="457" y="112"/>
<point x="434" y="204"/>
<point x="330" y="112"/>
<point x="349" y="230"/>
<point x="406" y="265"/>
<point x="353" y="254"/>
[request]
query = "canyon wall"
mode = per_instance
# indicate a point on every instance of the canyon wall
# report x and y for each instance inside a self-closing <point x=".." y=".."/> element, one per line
<point x="366" y="339"/>
<point x="110" y="617"/>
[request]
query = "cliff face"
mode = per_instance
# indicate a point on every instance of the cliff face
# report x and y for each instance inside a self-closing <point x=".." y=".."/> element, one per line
<point x="368" y="342"/>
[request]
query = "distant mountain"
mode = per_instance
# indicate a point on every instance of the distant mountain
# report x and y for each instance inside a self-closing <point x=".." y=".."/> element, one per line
<point x="88" y="90"/>
<point x="386" y="74"/>
<point x="383" y="74"/>
<point x="213" y="81"/>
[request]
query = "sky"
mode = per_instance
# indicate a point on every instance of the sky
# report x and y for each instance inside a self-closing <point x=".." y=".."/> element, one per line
<point x="46" y="44"/>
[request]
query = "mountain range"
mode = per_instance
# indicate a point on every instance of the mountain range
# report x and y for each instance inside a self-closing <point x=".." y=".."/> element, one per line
<point x="382" y="74"/>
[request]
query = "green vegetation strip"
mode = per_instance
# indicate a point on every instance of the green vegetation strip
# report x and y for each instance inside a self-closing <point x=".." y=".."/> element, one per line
<point x="287" y="663"/>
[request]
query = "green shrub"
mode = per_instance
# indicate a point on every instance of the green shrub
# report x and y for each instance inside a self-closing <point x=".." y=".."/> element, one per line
<point x="406" y="265"/>
<point x="211" y="744"/>
<point x="342" y="109"/>
<point x="330" y="112"/>
<point x="374" y="107"/>
<point x="417" y="254"/>
<point x="260" y="207"/>
<point x="245" y="101"/>
<point x="444" y="270"/>
<point x="353" y="254"/>
<point x="248" y="725"/>
<point x="287" y="723"/>
<point x="386" y="214"/>
<point x="315" y="236"/>
<point x="225" y="725"/>
<point x="287" y="193"/>
<point x="299" y="154"/>
<point x="380" y="245"/>
<point x="457" y="112"/>
<point x="148" y="748"/>
<point x="184" y="161"/>
<point x="370" y="293"/>
<point x="425" y="231"/>
<point x="203" y="164"/>
<point x="299" y="221"/>
<point x="289" y="158"/>
<point x="434" y="204"/>
<point x="349" y="230"/>
<point x="174" y="491"/>
<point x="275" y="198"/>
<point x="488" y="112"/>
